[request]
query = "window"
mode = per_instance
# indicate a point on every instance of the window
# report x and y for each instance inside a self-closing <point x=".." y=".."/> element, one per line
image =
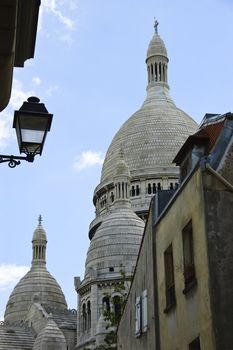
<point x="189" y="268"/>
<point x="84" y="318"/>
<point x="195" y="344"/>
<point x="169" y="279"/>
<point x="111" y="269"/>
<point x="149" y="189"/>
<point x="144" y="311"/>
<point x="117" y="307"/>
<point x="106" y="304"/>
<point x="141" y="316"/>
<point x="138" y="316"/>
<point x="88" y="314"/>
<point x="133" y="191"/>
<point x="154" y="188"/>
<point x="137" y="190"/>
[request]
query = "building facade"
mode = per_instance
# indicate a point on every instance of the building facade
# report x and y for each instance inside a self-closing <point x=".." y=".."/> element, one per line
<point x="185" y="263"/>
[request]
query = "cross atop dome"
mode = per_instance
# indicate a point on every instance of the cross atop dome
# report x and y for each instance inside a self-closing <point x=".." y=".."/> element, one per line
<point x="156" y="24"/>
<point x="40" y="219"/>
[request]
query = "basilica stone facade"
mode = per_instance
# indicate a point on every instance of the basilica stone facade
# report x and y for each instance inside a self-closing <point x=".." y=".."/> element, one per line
<point x="36" y="316"/>
<point x="137" y="165"/>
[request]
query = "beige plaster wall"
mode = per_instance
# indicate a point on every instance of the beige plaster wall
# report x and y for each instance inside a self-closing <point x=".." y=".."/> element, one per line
<point x="191" y="317"/>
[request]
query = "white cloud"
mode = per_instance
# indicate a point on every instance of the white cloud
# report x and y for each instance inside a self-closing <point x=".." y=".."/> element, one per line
<point x="57" y="8"/>
<point x="5" y="129"/>
<point x="10" y="274"/>
<point x="88" y="159"/>
<point x="36" y="81"/>
<point x="19" y="95"/>
<point x="51" y="90"/>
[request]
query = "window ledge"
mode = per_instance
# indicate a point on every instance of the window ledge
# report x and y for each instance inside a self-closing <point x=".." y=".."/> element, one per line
<point x="190" y="286"/>
<point x="169" y="307"/>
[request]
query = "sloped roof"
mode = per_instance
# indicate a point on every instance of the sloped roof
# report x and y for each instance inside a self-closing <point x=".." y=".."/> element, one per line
<point x="15" y="338"/>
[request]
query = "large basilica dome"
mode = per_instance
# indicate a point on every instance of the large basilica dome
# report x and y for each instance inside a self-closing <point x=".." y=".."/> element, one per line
<point x="150" y="139"/>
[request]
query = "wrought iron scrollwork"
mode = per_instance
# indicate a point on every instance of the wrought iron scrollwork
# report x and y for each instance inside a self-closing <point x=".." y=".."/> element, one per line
<point x="14" y="160"/>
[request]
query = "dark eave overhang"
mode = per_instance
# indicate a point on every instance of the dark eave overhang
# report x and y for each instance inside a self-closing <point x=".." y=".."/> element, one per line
<point x="18" y="28"/>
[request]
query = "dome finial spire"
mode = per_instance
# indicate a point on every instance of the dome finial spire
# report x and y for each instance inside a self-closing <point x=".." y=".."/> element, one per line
<point x="156" y="26"/>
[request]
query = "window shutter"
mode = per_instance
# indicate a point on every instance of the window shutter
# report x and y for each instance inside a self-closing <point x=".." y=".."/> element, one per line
<point x="144" y="311"/>
<point x="138" y="316"/>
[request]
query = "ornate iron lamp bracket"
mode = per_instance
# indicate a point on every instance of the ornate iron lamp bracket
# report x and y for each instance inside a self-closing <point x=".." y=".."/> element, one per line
<point x="15" y="160"/>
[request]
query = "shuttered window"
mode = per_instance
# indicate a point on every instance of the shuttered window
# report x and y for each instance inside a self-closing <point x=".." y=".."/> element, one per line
<point x="144" y="311"/>
<point x="138" y="316"/>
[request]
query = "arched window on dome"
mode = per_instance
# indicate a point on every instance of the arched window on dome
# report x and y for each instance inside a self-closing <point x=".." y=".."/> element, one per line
<point x="133" y="191"/>
<point x="156" y="72"/>
<point x="84" y="318"/>
<point x="171" y="186"/>
<point x="88" y="315"/>
<point x="149" y="189"/>
<point x="160" y="72"/>
<point x="117" y="307"/>
<point x="148" y="72"/>
<point x="154" y="188"/>
<point x="152" y="72"/>
<point x="159" y="186"/>
<point x="106" y="304"/>
<point x="164" y="79"/>
<point x="112" y="197"/>
<point x="137" y="190"/>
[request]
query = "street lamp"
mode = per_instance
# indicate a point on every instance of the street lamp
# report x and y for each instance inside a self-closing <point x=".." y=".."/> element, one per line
<point x="31" y="122"/>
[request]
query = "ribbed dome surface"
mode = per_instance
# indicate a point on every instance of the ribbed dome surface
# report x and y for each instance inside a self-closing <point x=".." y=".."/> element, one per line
<point x="39" y="234"/>
<point x="37" y="284"/>
<point x="156" y="47"/>
<point x="151" y="137"/>
<point x="115" y="243"/>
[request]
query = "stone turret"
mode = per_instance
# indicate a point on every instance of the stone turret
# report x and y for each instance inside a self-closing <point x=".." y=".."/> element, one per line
<point x="37" y="285"/>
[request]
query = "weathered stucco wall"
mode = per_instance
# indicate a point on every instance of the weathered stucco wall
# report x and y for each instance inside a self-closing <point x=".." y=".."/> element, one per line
<point x="219" y="210"/>
<point x="143" y="280"/>
<point x="191" y="316"/>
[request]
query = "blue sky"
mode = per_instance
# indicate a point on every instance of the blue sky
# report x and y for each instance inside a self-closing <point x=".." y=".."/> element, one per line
<point x="89" y="70"/>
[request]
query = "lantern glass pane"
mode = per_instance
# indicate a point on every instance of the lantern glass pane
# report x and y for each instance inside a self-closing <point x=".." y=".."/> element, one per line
<point x="32" y="136"/>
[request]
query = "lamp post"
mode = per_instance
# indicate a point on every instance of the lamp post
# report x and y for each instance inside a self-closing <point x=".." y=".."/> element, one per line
<point x="31" y="122"/>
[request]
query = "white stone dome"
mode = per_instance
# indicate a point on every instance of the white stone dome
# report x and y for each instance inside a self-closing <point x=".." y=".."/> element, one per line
<point x="156" y="47"/>
<point x="151" y="137"/>
<point x="37" y="285"/>
<point x="115" y="244"/>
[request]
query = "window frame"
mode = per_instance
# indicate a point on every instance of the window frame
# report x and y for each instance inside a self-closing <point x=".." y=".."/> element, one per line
<point x="169" y="279"/>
